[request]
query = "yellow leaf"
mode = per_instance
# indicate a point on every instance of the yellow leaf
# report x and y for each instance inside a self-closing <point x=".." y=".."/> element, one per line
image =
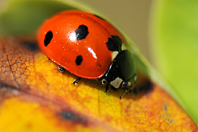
<point x="36" y="96"/>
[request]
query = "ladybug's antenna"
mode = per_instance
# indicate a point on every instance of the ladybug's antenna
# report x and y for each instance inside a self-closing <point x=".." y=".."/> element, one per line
<point x="131" y="88"/>
<point x="127" y="91"/>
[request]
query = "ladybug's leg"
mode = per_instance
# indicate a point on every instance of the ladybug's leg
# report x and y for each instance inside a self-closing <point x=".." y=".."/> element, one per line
<point x="106" y="88"/>
<point x="61" y="69"/>
<point x="77" y="80"/>
<point x="127" y="91"/>
<point x="130" y="88"/>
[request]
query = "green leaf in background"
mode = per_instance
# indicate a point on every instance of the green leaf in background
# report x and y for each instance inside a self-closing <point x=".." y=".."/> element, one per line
<point x="175" y="47"/>
<point x="23" y="17"/>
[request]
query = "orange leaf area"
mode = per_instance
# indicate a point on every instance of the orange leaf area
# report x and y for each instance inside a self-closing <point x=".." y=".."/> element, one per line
<point x="36" y="96"/>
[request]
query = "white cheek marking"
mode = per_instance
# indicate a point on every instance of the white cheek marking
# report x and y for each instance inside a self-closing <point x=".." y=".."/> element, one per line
<point x="114" y="54"/>
<point x="116" y="82"/>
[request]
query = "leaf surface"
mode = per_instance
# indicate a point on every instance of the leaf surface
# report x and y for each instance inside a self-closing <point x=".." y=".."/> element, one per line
<point x="174" y="32"/>
<point x="37" y="97"/>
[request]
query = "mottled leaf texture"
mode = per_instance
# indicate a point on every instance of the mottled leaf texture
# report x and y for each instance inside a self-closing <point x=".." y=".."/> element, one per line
<point x="36" y="96"/>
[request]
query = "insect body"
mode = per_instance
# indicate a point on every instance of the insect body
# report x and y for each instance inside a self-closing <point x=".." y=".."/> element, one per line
<point x="89" y="47"/>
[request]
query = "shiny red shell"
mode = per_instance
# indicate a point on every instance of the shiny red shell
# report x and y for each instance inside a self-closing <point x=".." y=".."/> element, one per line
<point x="63" y="48"/>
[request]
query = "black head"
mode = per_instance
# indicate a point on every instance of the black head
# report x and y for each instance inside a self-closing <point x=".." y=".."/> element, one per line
<point x="121" y="73"/>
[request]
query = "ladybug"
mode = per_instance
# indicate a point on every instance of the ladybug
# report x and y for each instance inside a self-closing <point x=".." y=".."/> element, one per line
<point x="89" y="47"/>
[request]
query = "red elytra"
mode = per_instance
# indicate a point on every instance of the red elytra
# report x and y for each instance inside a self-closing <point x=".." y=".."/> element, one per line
<point x="64" y="49"/>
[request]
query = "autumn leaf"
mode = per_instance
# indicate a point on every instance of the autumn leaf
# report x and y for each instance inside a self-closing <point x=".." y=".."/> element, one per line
<point x="174" y="31"/>
<point x="36" y="96"/>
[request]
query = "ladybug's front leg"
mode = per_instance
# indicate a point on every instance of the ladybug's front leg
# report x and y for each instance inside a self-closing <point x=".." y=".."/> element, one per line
<point x="61" y="69"/>
<point x="106" y="88"/>
<point x="133" y="87"/>
<point x="76" y="81"/>
<point x="127" y="91"/>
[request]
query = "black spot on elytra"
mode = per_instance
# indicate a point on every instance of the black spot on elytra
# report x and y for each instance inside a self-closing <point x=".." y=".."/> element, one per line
<point x="114" y="43"/>
<point x="79" y="60"/>
<point x="81" y="32"/>
<point x="69" y="116"/>
<point x="111" y="45"/>
<point x="31" y="45"/>
<point x="100" y="17"/>
<point x="118" y="40"/>
<point x="48" y="38"/>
